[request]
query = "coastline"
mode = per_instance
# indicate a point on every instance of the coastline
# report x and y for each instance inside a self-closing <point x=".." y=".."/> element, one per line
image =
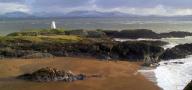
<point x="168" y="75"/>
<point x="115" y="75"/>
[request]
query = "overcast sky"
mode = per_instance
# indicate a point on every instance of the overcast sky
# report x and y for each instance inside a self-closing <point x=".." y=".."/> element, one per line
<point x="140" y="7"/>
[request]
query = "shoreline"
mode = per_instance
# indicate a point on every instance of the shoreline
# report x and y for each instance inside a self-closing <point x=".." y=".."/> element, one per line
<point x="116" y="75"/>
<point x="170" y="76"/>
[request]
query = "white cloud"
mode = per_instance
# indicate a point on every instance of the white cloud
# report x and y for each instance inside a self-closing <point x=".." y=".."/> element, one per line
<point x="29" y="7"/>
<point x="158" y="10"/>
<point x="12" y="7"/>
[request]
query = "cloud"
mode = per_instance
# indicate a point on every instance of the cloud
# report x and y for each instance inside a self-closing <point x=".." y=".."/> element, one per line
<point x="12" y="1"/>
<point x="13" y="7"/>
<point x="139" y="7"/>
<point x="157" y="10"/>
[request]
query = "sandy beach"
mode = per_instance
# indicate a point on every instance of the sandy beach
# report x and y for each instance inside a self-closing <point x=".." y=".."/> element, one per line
<point x="115" y="75"/>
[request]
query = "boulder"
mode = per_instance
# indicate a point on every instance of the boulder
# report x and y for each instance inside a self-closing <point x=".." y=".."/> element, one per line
<point x="137" y="51"/>
<point x="177" y="52"/>
<point x="52" y="74"/>
<point x="189" y="86"/>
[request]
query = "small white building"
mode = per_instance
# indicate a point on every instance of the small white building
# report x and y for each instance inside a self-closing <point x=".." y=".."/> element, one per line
<point x="53" y="25"/>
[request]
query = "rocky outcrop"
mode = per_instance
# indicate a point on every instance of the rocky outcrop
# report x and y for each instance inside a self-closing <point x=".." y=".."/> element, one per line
<point x="79" y="32"/>
<point x="133" y="34"/>
<point x="153" y="43"/>
<point x="189" y="86"/>
<point x="128" y="34"/>
<point x="51" y="74"/>
<point x="27" y="54"/>
<point x="145" y="33"/>
<point x="96" y="34"/>
<point x="8" y="52"/>
<point x="176" y="34"/>
<point x="177" y="52"/>
<point x="137" y="51"/>
<point x="86" y="33"/>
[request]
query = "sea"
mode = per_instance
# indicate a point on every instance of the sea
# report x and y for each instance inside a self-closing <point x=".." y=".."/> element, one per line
<point x="154" y="23"/>
<point x="167" y="76"/>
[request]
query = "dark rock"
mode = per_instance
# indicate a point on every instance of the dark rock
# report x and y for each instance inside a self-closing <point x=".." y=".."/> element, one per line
<point x="177" y="34"/>
<point x="79" y="32"/>
<point x="137" y="51"/>
<point x="133" y="34"/>
<point x="145" y="33"/>
<point x="178" y="62"/>
<point x="103" y="57"/>
<point x="51" y="74"/>
<point x="10" y="53"/>
<point x="189" y="86"/>
<point x="154" y="43"/>
<point x="106" y="49"/>
<point x="96" y="34"/>
<point x="114" y="56"/>
<point x="177" y="52"/>
<point x="81" y="77"/>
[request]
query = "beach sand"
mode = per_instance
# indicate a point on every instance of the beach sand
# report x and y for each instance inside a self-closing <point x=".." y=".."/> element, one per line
<point x="115" y="75"/>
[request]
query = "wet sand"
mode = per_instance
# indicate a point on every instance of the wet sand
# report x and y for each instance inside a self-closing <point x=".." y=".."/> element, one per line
<point x="115" y="75"/>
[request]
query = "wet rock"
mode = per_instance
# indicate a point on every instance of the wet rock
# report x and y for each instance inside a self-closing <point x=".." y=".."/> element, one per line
<point x="169" y="63"/>
<point x="103" y="57"/>
<point x="137" y="51"/>
<point x="95" y="34"/>
<point x="114" y="56"/>
<point x="145" y="33"/>
<point x="177" y="52"/>
<point x="177" y="34"/>
<point x="51" y="74"/>
<point x="189" y="86"/>
<point x="133" y="34"/>
<point x="178" y="62"/>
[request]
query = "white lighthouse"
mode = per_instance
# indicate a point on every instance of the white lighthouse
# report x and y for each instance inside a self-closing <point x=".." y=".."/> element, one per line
<point x="53" y="25"/>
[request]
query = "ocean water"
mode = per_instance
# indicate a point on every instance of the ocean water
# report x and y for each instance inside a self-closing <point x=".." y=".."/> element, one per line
<point x="155" y="24"/>
<point x="174" y="76"/>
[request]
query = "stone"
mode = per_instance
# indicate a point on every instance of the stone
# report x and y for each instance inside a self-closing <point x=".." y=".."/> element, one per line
<point x="177" y="52"/>
<point x="52" y="74"/>
<point x="189" y="86"/>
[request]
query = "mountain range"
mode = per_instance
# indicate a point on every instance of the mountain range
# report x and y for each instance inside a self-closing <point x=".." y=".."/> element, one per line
<point x="74" y="14"/>
<point x="70" y="14"/>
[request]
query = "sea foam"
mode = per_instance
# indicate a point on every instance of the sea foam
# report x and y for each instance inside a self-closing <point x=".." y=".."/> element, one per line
<point x="172" y="76"/>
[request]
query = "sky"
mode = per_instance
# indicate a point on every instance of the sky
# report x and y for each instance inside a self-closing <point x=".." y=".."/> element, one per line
<point x="138" y="7"/>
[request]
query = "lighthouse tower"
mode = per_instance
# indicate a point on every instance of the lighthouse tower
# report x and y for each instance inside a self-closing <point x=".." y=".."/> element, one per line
<point x="53" y="25"/>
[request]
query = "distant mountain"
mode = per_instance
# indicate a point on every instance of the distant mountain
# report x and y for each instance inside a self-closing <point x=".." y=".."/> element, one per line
<point x="83" y="14"/>
<point x="16" y="15"/>
<point x="96" y="14"/>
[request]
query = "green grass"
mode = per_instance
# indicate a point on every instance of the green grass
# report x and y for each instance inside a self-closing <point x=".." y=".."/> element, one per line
<point x="40" y="39"/>
<point x="38" y="32"/>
